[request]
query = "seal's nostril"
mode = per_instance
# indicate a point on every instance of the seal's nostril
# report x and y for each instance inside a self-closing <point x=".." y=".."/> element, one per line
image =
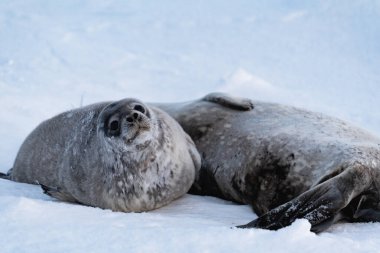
<point x="135" y="115"/>
<point x="129" y="119"/>
<point x="139" y="108"/>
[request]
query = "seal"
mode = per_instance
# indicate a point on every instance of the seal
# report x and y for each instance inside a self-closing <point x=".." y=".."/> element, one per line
<point x="286" y="162"/>
<point x="123" y="156"/>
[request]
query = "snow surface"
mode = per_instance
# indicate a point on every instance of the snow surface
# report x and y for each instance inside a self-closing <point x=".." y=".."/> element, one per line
<point x="58" y="55"/>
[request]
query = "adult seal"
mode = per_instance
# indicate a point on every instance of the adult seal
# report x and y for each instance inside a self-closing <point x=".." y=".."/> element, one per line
<point x="123" y="156"/>
<point x="286" y="162"/>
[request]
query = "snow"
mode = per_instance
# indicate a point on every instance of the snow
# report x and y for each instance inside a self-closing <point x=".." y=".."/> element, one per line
<point x="32" y="222"/>
<point x="58" y="55"/>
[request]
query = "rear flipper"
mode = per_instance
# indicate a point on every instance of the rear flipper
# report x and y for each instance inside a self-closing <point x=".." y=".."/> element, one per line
<point x="6" y="175"/>
<point x="322" y="205"/>
<point x="241" y="104"/>
<point x="59" y="194"/>
<point x="364" y="208"/>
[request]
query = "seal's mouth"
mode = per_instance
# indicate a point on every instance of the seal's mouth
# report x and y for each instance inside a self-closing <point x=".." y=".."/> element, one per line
<point x="131" y="130"/>
<point x="130" y="139"/>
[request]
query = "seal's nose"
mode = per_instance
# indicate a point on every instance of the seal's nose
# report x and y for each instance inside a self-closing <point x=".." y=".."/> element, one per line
<point x="139" y="108"/>
<point x="137" y="114"/>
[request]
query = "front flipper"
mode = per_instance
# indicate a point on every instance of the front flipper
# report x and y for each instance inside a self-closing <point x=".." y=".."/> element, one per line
<point x="321" y="205"/>
<point x="236" y="103"/>
<point x="59" y="194"/>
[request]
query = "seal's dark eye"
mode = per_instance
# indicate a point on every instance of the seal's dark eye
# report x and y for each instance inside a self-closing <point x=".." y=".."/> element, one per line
<point x="114" y="125"/>
<point x="139" y="108"/>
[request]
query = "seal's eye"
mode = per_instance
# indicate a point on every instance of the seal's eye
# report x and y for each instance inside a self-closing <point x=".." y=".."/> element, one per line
<point x="114" y="125"/>
<point x="139" y="108"/>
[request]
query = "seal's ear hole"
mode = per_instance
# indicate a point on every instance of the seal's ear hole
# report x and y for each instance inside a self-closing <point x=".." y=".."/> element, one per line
<point x="139" y="108"/>
<point x="114" y="125"/>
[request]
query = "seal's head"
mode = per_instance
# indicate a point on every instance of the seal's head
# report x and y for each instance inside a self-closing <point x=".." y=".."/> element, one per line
<point x="127" y="122"/>
<point x="149" y="160"/>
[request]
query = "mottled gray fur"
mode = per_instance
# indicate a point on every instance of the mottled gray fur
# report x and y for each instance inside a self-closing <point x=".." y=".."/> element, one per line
<point x="286" y="162"/>
<point x="122" y="156"/>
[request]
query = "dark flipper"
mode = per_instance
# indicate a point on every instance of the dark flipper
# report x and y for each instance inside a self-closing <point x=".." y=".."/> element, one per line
<point x="236" y="103"/>
<point x="6" y="175"/>
<point x="364" y="208"/>
<point x="58" y="194"/>
<point x="367" y="215"/>
<point x="3" y="176"/>
<point x="322" y="205"/>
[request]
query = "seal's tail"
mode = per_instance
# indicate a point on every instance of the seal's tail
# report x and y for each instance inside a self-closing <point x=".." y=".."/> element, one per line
<point x="56" y="192"/>
<point x="6" y="175"/>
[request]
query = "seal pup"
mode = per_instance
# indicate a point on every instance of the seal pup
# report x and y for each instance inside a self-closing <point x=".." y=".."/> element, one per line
<point x="286" y="162"/>
<point x="123" y="156"/>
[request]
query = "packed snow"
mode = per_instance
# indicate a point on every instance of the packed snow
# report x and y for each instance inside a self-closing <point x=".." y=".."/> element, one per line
<point x="58" y="55"/>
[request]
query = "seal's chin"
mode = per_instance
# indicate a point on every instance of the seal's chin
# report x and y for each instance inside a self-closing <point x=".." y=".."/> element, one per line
<point x="133" y="135"/>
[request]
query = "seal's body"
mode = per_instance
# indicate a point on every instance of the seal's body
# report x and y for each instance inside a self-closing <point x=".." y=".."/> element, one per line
<point x="286" y="162"/>
<point x="123" y="156"/>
